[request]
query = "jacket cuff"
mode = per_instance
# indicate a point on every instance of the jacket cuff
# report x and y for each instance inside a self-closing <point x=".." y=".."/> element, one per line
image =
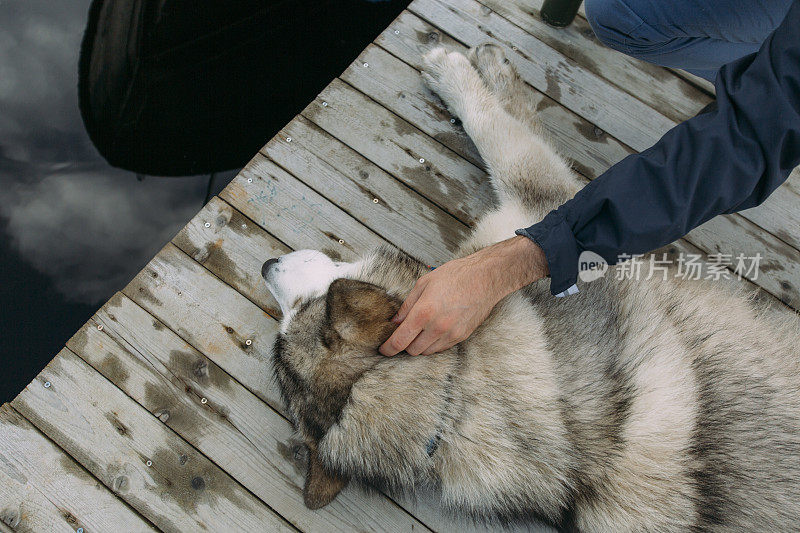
<point x="554" y="236"/>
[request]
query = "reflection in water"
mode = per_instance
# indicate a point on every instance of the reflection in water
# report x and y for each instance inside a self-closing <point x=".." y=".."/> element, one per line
<point x="74" y="229"/>
<point x="89" y="227"/>
<point x="39" y="121"/>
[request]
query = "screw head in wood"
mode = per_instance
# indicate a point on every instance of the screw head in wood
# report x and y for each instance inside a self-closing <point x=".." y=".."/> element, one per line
<point x="149" y="463"/>
<point x="341" y="241"/>
<point x="244" y="226"/>
<point x="514" y="48"/>
<point x="207" y="224"/>
<point x="375" y="200"/>
<point x="79" y="530"/>
<point x="421" y="159"/>
<point x="99" y="327"/>
<point x="288" y="139"/>
<point x="248" y="342"/>
<point x="366" y="64"/>
<point x="249" y="180"/>
<point x="46" y="384"/>
<point x="324" y="104"/>
<point x="452" y="121"/>
<point x="204" y="400"/>
<point x="397" y="32"/>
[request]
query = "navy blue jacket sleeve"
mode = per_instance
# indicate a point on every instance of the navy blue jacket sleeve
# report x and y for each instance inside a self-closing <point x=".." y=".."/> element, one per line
<point x="726" y="159"/>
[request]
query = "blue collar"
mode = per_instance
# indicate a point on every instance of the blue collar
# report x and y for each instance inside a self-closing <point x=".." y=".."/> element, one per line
<point x="433" y="444"/>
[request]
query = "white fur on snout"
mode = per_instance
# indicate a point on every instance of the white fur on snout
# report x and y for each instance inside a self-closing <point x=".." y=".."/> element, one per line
<point x="301" y="275"/>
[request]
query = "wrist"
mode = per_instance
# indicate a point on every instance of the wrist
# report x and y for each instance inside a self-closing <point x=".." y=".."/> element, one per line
<point x="517" y="262"/>
<point x="531" y="263"/>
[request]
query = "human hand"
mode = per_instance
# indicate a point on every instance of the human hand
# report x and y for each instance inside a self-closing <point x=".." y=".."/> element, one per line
<point x="448" y="304"/>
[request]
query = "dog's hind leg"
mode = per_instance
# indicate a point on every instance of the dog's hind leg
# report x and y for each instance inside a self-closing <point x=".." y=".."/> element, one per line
<point x="526" y="170"/>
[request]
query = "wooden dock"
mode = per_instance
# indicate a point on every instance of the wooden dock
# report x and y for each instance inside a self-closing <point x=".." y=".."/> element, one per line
<point x="160" y="412"/>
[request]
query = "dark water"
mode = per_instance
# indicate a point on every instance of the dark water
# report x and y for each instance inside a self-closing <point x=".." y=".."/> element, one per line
<point x="74" y="229"/>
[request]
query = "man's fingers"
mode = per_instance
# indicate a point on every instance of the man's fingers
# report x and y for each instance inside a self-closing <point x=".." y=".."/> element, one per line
<point x="412" y="320"/>
<point x="401" y="338"/>
<point x="410" y="300"/>
<point x="424" y="340"/>
<point x="455" y="334"/>
<point x="439" y="346"/>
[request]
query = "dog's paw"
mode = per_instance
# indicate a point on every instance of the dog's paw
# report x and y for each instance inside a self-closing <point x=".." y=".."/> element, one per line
<point x="494" y="67"/>
<point x="446" y="73"/>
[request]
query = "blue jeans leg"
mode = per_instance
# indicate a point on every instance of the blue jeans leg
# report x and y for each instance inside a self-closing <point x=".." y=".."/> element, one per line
<point x="696" y="35"/>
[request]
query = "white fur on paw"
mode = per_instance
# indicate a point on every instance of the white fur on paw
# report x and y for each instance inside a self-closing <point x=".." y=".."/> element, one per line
<point x="446" y="73"/>
<point x="440" y="64"/>
<point x="430" y="81"/>
<point x="492" y="64"/>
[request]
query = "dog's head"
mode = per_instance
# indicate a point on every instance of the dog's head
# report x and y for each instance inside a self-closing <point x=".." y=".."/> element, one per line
<point x="333" y="324"/>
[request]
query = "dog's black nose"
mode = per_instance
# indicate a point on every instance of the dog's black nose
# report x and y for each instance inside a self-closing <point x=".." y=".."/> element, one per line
<point x="266" y="266"/>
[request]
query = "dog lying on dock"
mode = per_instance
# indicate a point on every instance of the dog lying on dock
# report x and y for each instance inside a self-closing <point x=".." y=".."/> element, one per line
<point x="644" y="405"/>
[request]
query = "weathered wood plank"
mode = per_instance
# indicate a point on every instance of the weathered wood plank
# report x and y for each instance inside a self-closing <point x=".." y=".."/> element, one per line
<point x="216" y="320"/>
<point x="780" y="268"/>
<point x="294" y="212"/>
<point x="360" y="188"/>
<point x="135" y="455"/>
<point x="402" y="150"/>
<point x="44" y="489"/>
<point x="590" y="150"/>
<point x="656" y="86"/>
<point x="218" y="416"/>
<point x="237" y="265"/>
<point x="702" y="84"/>
<point x="590" y="96"/>
<point x="780" y="213"/>
<point x="402" y="89"/>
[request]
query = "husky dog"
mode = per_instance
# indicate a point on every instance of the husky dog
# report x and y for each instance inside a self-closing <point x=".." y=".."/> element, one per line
<point x="634" y="405"/>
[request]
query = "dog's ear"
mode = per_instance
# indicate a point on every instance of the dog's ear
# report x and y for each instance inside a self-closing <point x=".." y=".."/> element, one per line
<point x="361" y="313"/>
<point x="322" y="486"/>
